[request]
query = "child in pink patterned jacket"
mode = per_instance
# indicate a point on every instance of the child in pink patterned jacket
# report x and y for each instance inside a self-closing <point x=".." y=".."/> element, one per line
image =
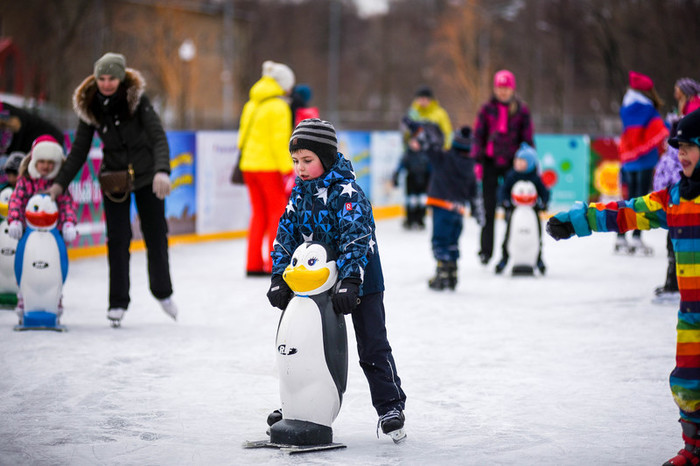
<point x="36" y="174"/>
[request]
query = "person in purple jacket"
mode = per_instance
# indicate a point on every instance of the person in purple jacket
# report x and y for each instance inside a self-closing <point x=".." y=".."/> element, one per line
<point x="503" y="123"/>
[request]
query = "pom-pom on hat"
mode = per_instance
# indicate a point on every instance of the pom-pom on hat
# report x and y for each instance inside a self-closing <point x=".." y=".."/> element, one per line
<point x="45" y="148"/>
<point x="527" y="153"/>
<point x="112" y="64"/>
<point x="462" y="139"/>
<point x="640" y="82"/>
<point x="319" y="137"/>
<point x="14" y="160"/>
<point x="688" y="130"/>
<point x="504" y="78"/>
<point x="281" y="73"/>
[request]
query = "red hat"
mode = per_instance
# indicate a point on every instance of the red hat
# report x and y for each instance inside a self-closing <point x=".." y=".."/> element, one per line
<point x="504" y="78"/>
<point x="640" y="82"/>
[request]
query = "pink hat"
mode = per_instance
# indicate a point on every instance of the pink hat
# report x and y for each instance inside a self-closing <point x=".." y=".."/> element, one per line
<point x="504" y="78"/>
<point x="640" y="81"/>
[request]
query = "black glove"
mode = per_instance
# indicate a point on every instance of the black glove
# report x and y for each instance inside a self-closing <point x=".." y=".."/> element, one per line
<point x="395" y="178"/>
<point x="279" y="293"/>
<point x="560" y="230"/>
<point x="346" y="297"/>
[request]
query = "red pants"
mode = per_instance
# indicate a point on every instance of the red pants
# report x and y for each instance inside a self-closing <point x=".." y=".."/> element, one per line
<point x="267" y="200"/>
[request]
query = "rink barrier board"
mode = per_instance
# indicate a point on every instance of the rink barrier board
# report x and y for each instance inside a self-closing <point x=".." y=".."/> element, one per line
<point x="380" y="213"/>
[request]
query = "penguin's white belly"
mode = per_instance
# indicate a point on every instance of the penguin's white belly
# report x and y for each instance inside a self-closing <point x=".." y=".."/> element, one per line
<point x="523" y="241"/>
<point x="8" y="247"/>
<point x="41" y="281"/>
<point x="307" y="389"/>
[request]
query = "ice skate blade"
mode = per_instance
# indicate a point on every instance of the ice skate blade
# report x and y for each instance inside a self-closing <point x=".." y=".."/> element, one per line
<point x="291" y="449"/>
<point x="398" y="435"/>
<point x="115" y="323"/>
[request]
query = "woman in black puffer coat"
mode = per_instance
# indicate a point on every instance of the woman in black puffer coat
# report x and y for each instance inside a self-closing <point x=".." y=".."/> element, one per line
<point x="112" y="102"/>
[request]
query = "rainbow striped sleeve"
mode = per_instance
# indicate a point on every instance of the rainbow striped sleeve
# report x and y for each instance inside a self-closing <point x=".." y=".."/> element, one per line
<point x="641" y="213"/>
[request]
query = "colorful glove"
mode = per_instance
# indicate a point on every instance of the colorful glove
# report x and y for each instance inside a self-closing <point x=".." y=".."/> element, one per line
<point x="55" y="190"/>
<point x="560" y="230"/>
<point x="279" y="293"/>
<point x="478" y="171"/>
<point x="15" y="230"/>
<point x="69" y="232"/>
<point x="161" y="185"/>
<point x="346" y="297"/>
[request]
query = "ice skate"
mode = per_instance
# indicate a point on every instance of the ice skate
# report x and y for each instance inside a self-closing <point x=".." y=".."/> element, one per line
<point x="636" y="246"/>
<point x="690" y="454"/>
<point x="621" y="245"/>
<point x="115" y="316"/>
<point x="666" y="295"/>
<point x="501" y="266"/>
<point x="392" y="424"/>
<point x="445" y="276"/>
<point x="541" y="267"/>
<point x="169" y="307"/>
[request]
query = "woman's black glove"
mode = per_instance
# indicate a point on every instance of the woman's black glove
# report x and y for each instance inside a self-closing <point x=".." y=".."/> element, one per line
<point x="346" y="297"/>
<point x="279" y="293"/>
<point x="560" y="230"/>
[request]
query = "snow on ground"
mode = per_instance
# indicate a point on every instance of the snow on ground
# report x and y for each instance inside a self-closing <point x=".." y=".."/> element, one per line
<point x="567" y="369"/>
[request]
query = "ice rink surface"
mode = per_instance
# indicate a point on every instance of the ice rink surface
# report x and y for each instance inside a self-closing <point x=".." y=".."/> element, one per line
<point x="567" y="369"/>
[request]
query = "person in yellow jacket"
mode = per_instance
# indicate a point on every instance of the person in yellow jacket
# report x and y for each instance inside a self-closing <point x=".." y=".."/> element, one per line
<point x="263" y="139"/>
<point x="426" y="108"/>
<point x="424" y="114"/>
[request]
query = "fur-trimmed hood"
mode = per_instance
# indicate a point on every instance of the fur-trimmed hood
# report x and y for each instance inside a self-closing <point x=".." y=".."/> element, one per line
<point x="85" y="93"/>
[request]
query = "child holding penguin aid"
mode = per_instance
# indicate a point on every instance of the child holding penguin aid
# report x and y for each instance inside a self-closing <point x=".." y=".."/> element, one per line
<point x="676" y="208"/>
<point x="327" y="206"/>
<point x="36" y="174"/>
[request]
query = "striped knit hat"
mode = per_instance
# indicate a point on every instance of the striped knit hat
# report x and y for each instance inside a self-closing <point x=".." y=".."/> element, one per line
<point x="318" y="136"/>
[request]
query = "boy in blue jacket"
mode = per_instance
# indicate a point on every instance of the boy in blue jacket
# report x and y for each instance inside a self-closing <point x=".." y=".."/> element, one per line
<point x="452" y="186"/>
<point x="327" y="206"/>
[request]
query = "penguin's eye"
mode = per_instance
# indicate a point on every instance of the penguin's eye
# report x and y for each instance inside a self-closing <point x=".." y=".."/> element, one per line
<point x="294" y="262"/>
<point x="312" y="261"/>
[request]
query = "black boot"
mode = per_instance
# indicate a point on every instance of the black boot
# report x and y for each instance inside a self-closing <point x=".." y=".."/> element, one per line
<point x="452" y="275"/>
<point x="441" y="280"/>
<point x="690" y="454"/>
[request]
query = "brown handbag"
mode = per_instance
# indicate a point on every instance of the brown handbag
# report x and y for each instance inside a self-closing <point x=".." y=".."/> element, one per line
<point x="118" y="184"/>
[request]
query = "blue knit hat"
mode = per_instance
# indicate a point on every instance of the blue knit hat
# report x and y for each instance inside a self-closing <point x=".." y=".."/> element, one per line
<point x="528" y="153"/>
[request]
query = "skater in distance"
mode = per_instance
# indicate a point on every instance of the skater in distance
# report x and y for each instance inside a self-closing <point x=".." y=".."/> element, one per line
<point x="676" y="208"/>
<point x="327" y="206"/>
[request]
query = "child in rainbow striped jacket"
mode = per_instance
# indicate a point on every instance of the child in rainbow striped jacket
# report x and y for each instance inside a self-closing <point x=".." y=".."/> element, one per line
<point x="676" y="208"/>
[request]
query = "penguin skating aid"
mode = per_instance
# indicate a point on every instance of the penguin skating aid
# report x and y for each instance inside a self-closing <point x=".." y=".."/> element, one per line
<point x="41" y="267"/>
<point x="8" y="248"/>
<point x="524" y="226"/>
<point x="312" y="357"/>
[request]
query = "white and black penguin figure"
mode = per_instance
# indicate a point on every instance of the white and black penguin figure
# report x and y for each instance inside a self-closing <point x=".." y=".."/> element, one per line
<point x="312" y="351"/>
<point x="524" y="229"/>
<point x="41" y="266"/>
<point x="8" y="248"/>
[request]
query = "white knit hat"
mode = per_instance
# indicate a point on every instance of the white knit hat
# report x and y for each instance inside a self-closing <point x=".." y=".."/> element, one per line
<point x="45" y="148"/>
<point x="280" y="73"/>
